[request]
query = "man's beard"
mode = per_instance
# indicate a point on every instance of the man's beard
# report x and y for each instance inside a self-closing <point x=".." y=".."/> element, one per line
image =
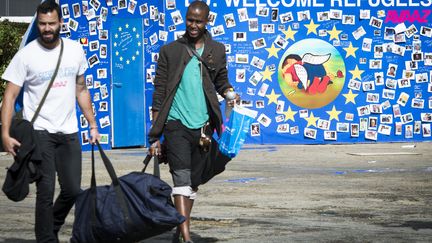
<point x="53" y="39"/>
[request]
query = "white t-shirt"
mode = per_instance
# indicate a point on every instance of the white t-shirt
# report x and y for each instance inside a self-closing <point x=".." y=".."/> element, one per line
<point x="32" y="68"/>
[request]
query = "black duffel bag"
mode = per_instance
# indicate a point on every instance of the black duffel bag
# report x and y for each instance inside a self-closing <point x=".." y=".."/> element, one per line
<point x="134" y="207"/>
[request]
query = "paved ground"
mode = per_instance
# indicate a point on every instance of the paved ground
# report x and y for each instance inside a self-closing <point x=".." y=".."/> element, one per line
<point x="296" y="193"/>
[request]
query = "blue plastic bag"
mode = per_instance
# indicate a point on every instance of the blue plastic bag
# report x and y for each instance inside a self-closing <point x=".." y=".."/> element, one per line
<point x="236" y="130"/>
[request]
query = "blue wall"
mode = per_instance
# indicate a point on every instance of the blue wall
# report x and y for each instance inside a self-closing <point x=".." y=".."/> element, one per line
<point x="344" y="52"/>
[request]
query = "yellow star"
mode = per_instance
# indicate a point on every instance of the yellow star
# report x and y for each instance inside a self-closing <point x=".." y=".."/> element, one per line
<point x="273" y="51"/>
<point x="350" y="97"/>
<point x="334" y="114"/>
<point x="350" y="50"/>
<point x="120" y="29"/>
<point x="289" y="114"/>
<point x="127" y="26"/>
<point x="267" y="74"/>
<point x="312" y="27"/>
<point x="334" y="33"/>
<point x="289" y="33"/>
<point x="356" y="73"/>
<point x="311" y="120"/>
<point x="121" y="59"/>
<point x="272" y="97"/>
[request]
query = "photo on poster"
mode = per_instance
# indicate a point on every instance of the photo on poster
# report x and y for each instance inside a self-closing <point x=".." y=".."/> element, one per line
<point x="239" y="36"/>
<point x="104" y="121"/>
<point x="375" y="64"/>
<point x="335" y="14"/>
<point x="264" y="120"/>
<point x="426" y="117"/>
<point x="372" y="97"/>
<point x="253" y="25"/>
<point x="359" y="32"/>
<point x="407" y="118"/>
<point x="386" y="119"/>
<point x="263" y="90"/>
<point x="229" y="20"/>
<point x="342" y="127"/>
<point x="257" y="62"/>
<point x="84" y="137"/>
<point x="323" y="16"/>
<point x="348" y="19"/>
<point x="240" y="75"/>
<point x="73" y="24"/>
<point x="384" y="129"/>
<point x="268" y="28"/>
<point x="375" y="22"/>
<point x="349" y="116"/>
<point x="143" y="8"/>
<point x="283" y="128"/>
<point x="212" y="18"/>
<point x="310" y="133"/>
<point x="403" y="98"/>
<point x="281" y="42"/>
<point x="363" y="124"/>
<point x="176" y="17"/>
<point x="426" y="31"/>
<point x="330" y="135"/>
<point x="371" y="135"/>
<point x="259" y="104"/>
<point x="95" y="4"/>
<point x="417" y="127"/>
<point x="375" y="108"/>
<point x="389" y="33"/>
<point x="280" y="107"/>
<point x="355" y="130"/>
<point x="104" y="91"/>
<point x="242" y="58"/>
<point x="255" y="78"/>
<point x="354" y="84"/>
<point x="259" y="43"/>
<point x="286" y="17"/>
<point x="85" y="8"/>
<point x="94" y="45"/>
<point x="255" y="129"/>
<point x="170" y="4"/>
<point x="101" y="73"/>
<point x="426" y="130"/>
<point x="65" y="11"/>
<point x="76" y="7"/>
<point x="103" y="106"/>
<point x="364" y="14"/>
<point x="89" y="81"/>
<point x="218" y="30"/>
<point x="417" y="103"/>
<point x="388" y="94"/>
<point x="262" y="11"/>
<point x="373" y="123"/>
<point x="274" y="14"/>
<point x="64" y="28"/>
<point x="303" y="113"/>
<point x="242" y="14"/>
<point x="385" y="105"/>
<point x="409" y="131"/>
<point x="83" y="121"/>
<point x="93" y="60"/>
<point x="323" y="124"/>
<point x="303" y="15"/>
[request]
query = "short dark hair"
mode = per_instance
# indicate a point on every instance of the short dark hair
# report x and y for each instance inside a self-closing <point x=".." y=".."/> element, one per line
<point x="47" y="7"/>
<point x="200" y="5"/>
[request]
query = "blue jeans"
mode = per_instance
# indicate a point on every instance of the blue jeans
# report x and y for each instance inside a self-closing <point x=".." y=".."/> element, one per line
<point x="61" y="153"/>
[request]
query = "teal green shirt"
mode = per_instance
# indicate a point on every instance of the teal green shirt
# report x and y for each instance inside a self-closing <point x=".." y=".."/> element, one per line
<point x="189" y="104"/>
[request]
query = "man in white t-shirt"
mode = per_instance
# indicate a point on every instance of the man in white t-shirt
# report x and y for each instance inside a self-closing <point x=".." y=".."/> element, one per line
<point x="56" y="125"/>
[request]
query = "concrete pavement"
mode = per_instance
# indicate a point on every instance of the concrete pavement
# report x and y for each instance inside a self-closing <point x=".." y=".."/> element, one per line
<point x="286" y="193"/>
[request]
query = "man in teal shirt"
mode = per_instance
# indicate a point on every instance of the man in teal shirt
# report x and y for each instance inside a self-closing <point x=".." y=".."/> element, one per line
<point x="186" y="108"/>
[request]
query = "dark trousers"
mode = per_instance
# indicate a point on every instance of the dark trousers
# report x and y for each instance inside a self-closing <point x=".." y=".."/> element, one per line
<point x="184" y="154"/>
<point x="61" y="153"/>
